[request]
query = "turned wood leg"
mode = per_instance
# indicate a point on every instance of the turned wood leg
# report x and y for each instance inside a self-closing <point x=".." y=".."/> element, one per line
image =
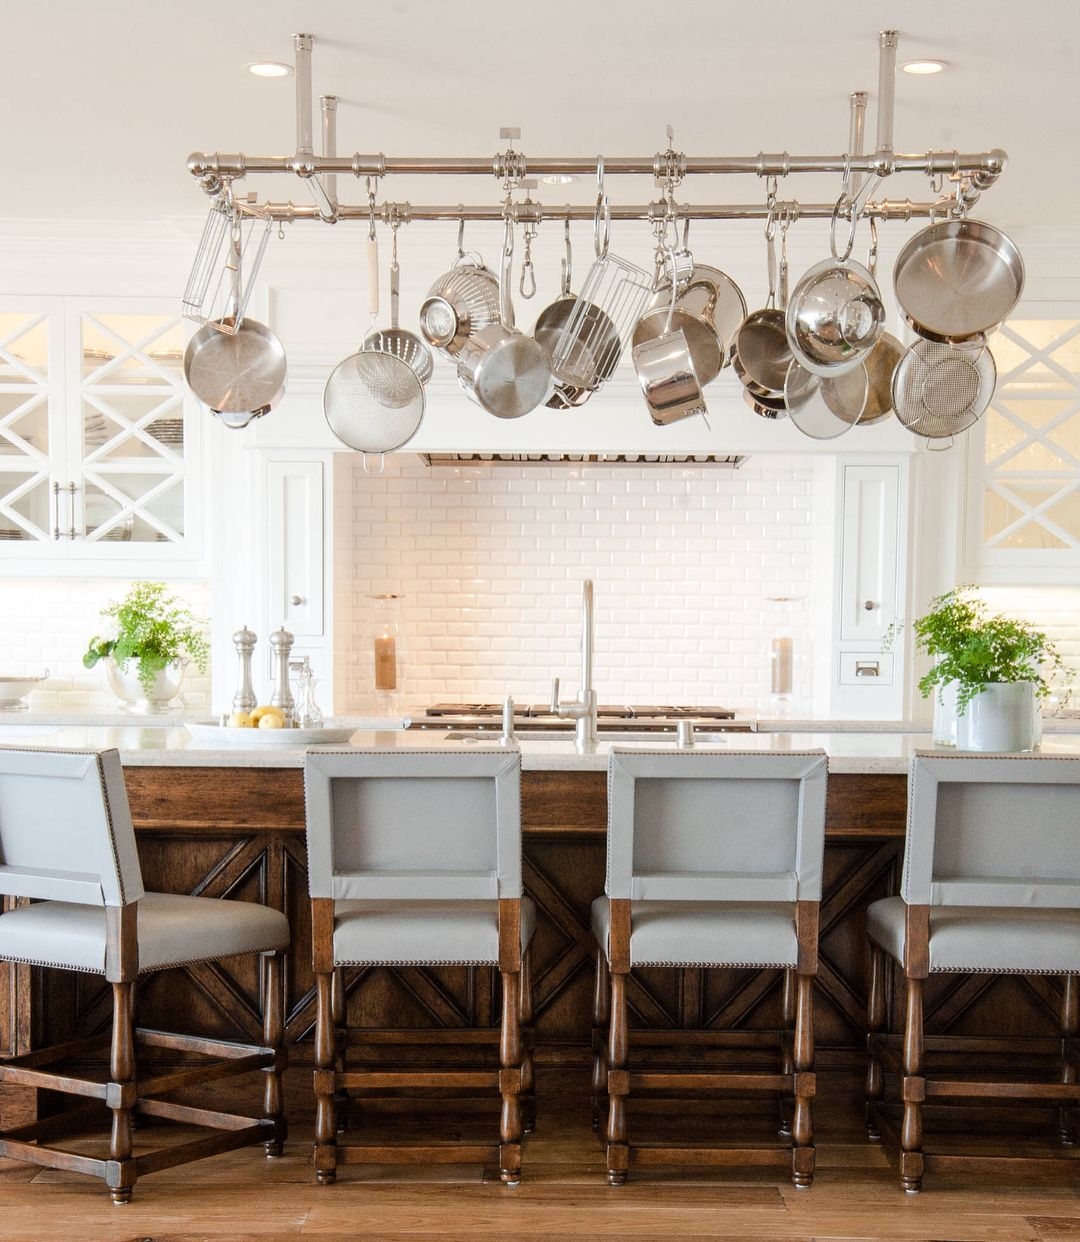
<point x="324" y="1081"/>
<point x="618" y="1084"/>
<point x="802" y="1125"/>
<point x="601" y="1009"/>
<point x="510" y="1080"/>
<point x="528" y="1079"/>
<point x="914" y="1090"/>
<point x="273" y="989"/>
<point x="123" y="1087"/>
<point x="339" y="1003"/>
<point x="787" y="1063"/>
<point x="1070" y="1027"/>
<point x="875" y="1020"/>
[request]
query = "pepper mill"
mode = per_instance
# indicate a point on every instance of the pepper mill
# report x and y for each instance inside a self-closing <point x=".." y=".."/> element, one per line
<point x="244" y="641"/>
<point x="281" y="642"/>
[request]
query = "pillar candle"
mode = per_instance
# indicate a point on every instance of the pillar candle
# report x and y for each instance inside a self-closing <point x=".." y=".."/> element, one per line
<point x="385" y="663"/>
<point x="780" y="657"/>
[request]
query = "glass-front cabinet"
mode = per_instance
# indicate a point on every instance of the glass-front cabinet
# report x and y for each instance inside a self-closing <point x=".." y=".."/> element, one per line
<point x="99" y="447"/>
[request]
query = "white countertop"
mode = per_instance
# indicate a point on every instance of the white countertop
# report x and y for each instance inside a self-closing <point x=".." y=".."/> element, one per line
<point x="144" y="745"/>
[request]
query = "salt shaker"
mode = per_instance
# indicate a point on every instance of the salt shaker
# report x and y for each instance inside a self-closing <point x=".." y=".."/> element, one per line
<point x="244" y="641"/>
<point x="281" y="642"/>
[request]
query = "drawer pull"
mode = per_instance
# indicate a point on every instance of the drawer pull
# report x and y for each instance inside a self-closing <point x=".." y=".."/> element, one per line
<point x="867" y="668"/>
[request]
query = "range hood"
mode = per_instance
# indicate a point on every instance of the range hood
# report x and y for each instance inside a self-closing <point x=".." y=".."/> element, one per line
<point x="730" y="461"/>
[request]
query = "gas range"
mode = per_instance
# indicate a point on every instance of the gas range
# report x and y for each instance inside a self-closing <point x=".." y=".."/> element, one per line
<point x="650" y="717"/>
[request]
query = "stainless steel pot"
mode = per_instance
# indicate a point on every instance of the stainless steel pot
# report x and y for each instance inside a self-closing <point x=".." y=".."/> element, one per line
<point x="706" y="348"/>
<point x="958" y="278"/>
<point x="502" y="369"/>
<point x="835" y="317"/>
<point x="665" y="370"/>
<point x="711" y="295"/>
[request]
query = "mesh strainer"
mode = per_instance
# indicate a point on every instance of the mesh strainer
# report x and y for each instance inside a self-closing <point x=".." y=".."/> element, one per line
<point x="940" y="390"/>
<point x="373" y="401"/>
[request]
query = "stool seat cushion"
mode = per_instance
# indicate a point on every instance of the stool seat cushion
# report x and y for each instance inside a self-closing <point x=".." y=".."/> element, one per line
<point x="985" y="938"/>
<point x="174" y="929"/>
<point x="390" y="933"/>
<point x="703" y="933"/>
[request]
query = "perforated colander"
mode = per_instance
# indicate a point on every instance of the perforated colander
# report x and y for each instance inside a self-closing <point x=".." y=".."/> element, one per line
<point x="940" y="390"/>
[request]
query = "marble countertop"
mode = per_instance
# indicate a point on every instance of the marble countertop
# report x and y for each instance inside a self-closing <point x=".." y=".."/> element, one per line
<point x="145" y="745"/>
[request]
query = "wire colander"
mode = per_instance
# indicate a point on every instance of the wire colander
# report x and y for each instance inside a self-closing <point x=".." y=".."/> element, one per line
<point x="373" y="402"/>
<point x="940" y="390"/>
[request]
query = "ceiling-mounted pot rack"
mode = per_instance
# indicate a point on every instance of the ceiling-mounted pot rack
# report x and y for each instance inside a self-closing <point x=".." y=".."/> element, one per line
<point x="968" y="174"/>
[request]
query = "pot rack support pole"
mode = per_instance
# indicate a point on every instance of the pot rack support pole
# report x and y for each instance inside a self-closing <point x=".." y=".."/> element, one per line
<point x="887" y="43"/>
<point x="857" y="133"/>
<point x="304" y="162"/>
<point x="329" y="142"/>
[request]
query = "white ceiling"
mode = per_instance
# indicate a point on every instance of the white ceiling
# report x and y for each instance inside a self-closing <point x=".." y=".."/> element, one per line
<point x="104" y="101"/>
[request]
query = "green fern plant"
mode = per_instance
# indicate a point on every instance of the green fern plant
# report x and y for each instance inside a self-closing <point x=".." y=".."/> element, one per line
<point x="973" y="649"/>
<point x="153" y="627"/>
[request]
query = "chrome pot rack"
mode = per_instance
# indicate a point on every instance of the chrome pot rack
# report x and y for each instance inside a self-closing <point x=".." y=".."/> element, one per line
<point x="967" y="175"/>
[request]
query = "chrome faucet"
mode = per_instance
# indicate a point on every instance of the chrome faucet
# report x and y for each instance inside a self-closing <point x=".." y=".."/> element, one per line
<point x="583" y="710"/>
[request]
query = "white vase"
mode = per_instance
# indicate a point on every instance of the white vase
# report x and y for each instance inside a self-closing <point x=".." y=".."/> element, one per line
<point x="1002" y="717"/>
<point x="944" y="727"/>
<point x="159" y="697"/>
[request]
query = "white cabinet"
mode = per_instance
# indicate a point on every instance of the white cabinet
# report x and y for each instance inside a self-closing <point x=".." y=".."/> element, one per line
<point x="867" y="681"/>
<point x="99" y="440"/>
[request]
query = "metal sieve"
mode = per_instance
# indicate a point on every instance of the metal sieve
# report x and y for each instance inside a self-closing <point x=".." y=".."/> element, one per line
<point x="939" y="390"/>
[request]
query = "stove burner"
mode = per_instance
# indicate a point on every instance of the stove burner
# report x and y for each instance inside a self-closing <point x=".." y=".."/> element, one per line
<point x="623" y="712"/>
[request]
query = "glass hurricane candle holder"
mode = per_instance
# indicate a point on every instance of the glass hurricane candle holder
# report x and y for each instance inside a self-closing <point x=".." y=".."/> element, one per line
<point x="386" y="650"/>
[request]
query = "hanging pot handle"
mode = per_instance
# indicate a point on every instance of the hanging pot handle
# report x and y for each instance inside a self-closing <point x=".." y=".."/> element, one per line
<point x="505" y="311"/>
<point x="370" y="457"/>
<point x="871" y="254"/>
<point x="770" y="241"/>
<point x="234" y="270"/>
<point x="568" y="259"/>
<point x="785" y="224"/>
<point x="395" y="276"/>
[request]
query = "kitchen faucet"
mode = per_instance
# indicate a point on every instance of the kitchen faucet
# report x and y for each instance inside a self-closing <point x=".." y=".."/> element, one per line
<point x="583" y="710"/>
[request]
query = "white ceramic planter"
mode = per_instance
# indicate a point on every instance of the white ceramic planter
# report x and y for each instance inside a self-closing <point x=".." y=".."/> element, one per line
<point x="944" y="727"/>
<point x="1003" y="717"/>
<point x="125" y="684"/>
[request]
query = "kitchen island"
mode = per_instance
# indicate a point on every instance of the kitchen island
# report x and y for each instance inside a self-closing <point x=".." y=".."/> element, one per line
<point x="227" y="819"/>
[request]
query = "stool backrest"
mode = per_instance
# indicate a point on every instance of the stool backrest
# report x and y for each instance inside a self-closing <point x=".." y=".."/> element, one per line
<point x="738" y="826"/>
<point x="994" y="830"/>
<point x="65" y="827"/>
<point x="413" y="824"/>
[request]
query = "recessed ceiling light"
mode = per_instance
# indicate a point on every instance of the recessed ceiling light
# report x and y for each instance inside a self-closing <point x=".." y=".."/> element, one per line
<point x="923" y="67"/>
<point x="558" y="179"/>
<point x="269" y="69"/>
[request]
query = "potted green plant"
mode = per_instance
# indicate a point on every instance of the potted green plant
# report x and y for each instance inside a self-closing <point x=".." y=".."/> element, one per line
<point x="150" y="638"/>
<point x="989" y="673"/>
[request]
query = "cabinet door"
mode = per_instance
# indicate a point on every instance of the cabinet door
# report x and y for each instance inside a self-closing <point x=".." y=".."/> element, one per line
<point x="295" y="495"/>
<point x="870" y="537"/>
<point x="32" y="449"/>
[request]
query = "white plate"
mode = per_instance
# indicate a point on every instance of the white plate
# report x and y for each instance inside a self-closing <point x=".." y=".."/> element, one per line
<point x="211" y="731"/>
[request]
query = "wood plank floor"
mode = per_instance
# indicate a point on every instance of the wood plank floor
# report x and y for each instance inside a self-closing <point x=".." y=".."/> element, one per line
<point x="563" y="1194"/>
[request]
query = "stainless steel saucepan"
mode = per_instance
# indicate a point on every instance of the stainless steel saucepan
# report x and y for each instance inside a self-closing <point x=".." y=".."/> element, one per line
<point x="665" y="369"/>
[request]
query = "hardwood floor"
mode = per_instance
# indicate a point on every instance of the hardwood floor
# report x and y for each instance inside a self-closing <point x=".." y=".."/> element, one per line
<point x="563" y="1193"/>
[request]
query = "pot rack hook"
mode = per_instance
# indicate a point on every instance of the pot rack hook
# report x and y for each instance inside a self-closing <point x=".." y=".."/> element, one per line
<point x="371" y="184"/>
<point x="843" y="208"/>
<point x="872" y="253"/>
<point x="461" y="232"/>
<point x="568" y="257"/>
<point x="602" y="215"/>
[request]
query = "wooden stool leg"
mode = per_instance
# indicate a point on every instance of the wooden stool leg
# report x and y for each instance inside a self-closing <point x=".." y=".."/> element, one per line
<point x="528" y="1078"/>
<point x="601" y="1010"/>
<point x="787" y="1063"/>
<point x="339" y="1006"/>
<point x="914" y="1090"/>
<point x="802" y="1126"/>
<point x="324" y="1081"/>
<point x="510" y="1080"/>
<point x="1070" y="1027"/>
<point x="273" y="988"/>
<point x="121" y="1173"/>
<point x="618" y="1053"/>
<point x="875" y="1020"/>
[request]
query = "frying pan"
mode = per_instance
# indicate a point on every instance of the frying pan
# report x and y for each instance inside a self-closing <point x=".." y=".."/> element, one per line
<point x="238" y="371"/>
<point x="957" y="279"/>
<point x="760" y="353"/>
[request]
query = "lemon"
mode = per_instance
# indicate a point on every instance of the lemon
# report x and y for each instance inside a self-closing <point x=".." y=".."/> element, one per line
<point x="240" y="720"/>
<point x="263" y="710"/>
<point x="271" y="721"/>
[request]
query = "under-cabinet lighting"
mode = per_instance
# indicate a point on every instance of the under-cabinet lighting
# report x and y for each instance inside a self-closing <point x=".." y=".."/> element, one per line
<point x="922" y="68"/>
<point x="269" y="69"/>
<point x="558" y="179"/>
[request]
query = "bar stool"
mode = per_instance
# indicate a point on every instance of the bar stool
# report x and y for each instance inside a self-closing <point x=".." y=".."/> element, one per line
<point x="714" y="860"/>
<point x="67" y="844"/>
<point x="414" y="859"/>
<point x="991" y="885"/>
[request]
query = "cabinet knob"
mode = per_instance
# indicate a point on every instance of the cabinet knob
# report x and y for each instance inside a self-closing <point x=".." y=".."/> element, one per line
<point x="296" y="600"/>
<point x="869" y="605"/>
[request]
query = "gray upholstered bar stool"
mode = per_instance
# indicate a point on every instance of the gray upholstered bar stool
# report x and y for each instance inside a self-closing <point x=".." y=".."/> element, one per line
<point x="414" y="860"/>
<point x="67" y="844"/>
<point x="991" y="885"/>
<point x="714" y="860"/>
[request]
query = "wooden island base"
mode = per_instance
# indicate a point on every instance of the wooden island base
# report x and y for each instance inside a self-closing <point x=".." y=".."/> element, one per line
<point x="239" y="832"/>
